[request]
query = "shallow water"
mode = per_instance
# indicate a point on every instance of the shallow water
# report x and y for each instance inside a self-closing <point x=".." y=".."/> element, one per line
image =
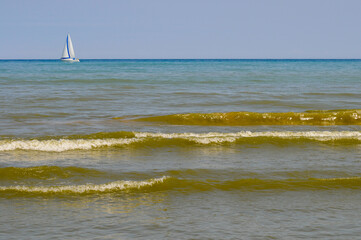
<point x="184" y="149"/>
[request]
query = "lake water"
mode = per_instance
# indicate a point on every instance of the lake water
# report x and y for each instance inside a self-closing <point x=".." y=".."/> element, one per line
<point x="180" y="149"/>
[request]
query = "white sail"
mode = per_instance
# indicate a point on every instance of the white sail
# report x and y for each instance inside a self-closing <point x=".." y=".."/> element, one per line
<point x="68" y="52"/>
<point x="70" y="47"/>
<point x="65" y="52"/>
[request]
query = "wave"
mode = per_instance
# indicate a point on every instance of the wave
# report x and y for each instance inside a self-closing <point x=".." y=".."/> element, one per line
<point x="45" y="173"/>
<point x="115" y="186"/>
<point x="60" y="181"/>
<point x="316" y="117"/>
<point x="147" y="139"/>
<point x="167" y="183"/>
<point x="72" y="173"/>
<point x="353" y="95"/>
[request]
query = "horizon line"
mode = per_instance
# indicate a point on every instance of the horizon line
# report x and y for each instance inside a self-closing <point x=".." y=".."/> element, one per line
<point x="10" y="59"/>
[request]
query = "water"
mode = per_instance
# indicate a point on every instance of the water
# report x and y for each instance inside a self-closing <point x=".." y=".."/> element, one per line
<point x="180" y="149"/>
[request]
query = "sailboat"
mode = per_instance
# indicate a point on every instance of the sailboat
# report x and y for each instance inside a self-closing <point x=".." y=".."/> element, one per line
<point x="68" y="52"/>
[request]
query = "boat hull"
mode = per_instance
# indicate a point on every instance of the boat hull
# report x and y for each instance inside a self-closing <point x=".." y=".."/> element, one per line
<point x="70" y="59"/>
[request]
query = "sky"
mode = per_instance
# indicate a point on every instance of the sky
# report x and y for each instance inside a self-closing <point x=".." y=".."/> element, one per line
<point x="142" y="29"/>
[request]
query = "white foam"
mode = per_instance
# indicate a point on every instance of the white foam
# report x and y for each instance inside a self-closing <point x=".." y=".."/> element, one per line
<point x="338" y="179"/>
<point x="212" y="137"/>
<point x="108" y="187"/>
<point x="306" y="118"/>
<point x="200" y="138"/>
<point x="62" y="144"/>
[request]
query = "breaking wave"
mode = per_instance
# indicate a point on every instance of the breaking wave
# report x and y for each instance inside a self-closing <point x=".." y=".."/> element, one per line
<point x="147" y="139"/>
<point x="54" y="180"/>
<point x="315" y="117"/>
<point x="167" y="183"/>
<point x="116" y="186"/>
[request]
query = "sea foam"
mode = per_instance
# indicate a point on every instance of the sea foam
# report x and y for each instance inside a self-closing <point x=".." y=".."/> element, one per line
<point x="87" y="188"/>
<point x="164" y="139"/>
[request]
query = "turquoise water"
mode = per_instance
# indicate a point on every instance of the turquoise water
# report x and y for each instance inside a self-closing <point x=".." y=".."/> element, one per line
<point x="180" y="149"/>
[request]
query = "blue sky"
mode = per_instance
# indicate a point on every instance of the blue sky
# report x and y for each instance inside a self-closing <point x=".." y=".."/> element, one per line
<point x="181" y="28"/>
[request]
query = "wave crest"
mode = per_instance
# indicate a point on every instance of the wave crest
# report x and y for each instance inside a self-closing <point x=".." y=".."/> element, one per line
<point x="167" y="183"/>
<point x="142" y="139"/>
<point x="315" y="117"/>
<point x="87" y="188"/>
